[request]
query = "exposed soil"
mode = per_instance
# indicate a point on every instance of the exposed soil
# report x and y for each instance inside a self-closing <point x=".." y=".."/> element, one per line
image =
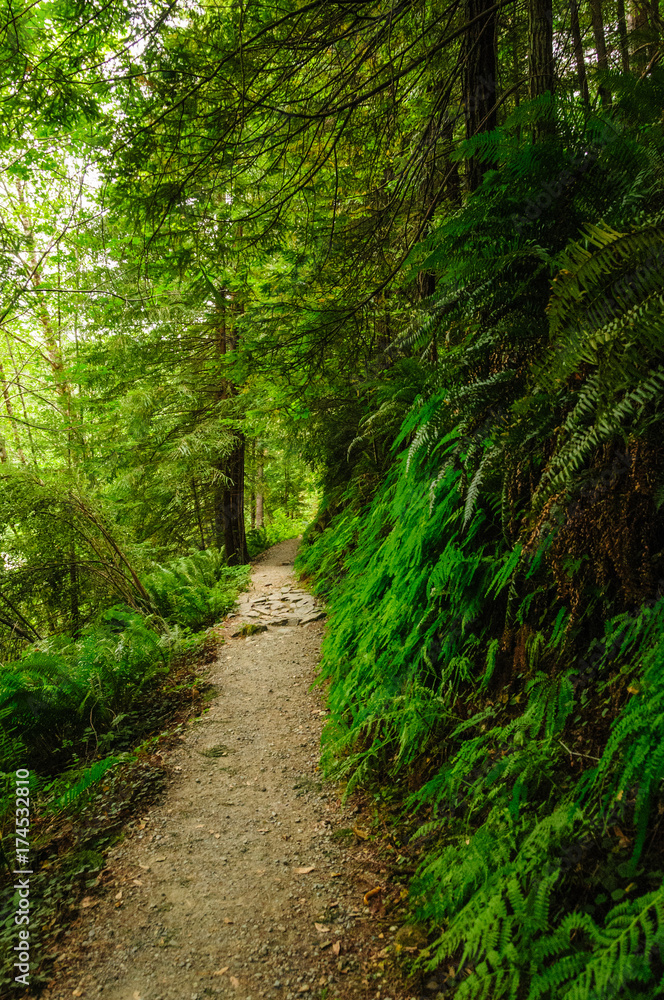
<point x="234" y="885"/>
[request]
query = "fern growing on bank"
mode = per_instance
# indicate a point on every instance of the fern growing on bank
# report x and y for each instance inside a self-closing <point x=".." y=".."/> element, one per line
<point x="496" y="632"/>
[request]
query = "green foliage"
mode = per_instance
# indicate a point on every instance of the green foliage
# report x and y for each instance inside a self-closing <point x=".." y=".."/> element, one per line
<point x="496" y="611"/>
<point x="88" y="778"/>
<point x="195" y="591"/>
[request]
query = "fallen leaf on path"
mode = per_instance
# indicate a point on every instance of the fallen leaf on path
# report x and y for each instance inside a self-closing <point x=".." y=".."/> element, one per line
<point x="266" y="830"/>
<point x="217" y="835"/>
<point x="221" y="972"/>
<point x="118" y="895"/>
<point x="235" y="982"/>
<point x="227" y="921"/>
<point x="336" y="874"/>
<point x="362" y="834"/>
<point x="160" y="859"/>
<point x="89" y="901"/>
<point x="137" y="881"/>
<point x="145" y="868"/>
<point x="336" y="947"/>
<point x="322" y="928"/>
<point x="200" y="826"/>
<point x="304" y="871"/>
<point x="77" y="993"/>
<point x="137" y="995"/>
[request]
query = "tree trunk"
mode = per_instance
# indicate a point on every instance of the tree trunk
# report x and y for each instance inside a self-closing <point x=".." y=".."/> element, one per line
<point x="229" y="490"/>
<point x="259" y="510"/>
<point x="540" y="48"/>
<point x="197" y="511"/>
<point x="582" y="78"/>
<point x="74" y="605"/>
<point x="252" y="494"/>
<point x="259" y="489"/>
<point x="600" y="47"/>
<point x="229" y="505"/>
<point x="10" y="414"/>
<point x="479" y="79"/>
<point x="623" y="43"/>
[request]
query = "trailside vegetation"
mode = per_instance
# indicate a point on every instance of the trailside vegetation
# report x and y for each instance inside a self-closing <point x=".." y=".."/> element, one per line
<point x="496" y="637"/>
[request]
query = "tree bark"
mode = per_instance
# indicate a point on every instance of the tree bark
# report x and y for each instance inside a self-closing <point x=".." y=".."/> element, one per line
<point x="259" y="510"/>
<point x="540" y="47"/>
<point x="623" y="43"/>
<point x="259" y="489"/>
<point x="10" y="413"/>
<point x="582" y="77"/>
<point x="479" y="79"/>
<point x="197" y="511"/>
<point x="229" y="490"/>
<point x="229" y="505"/>
<point x="600" y="47"/>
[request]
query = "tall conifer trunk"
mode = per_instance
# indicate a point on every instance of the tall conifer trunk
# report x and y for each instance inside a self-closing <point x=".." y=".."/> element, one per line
<point x="600" y="47"/>
<point x="623" y="43"/>
<point x="577" y="42"/>
<point x="479" y="78"/>
<point x="540" y="57"/>
<point x="540" y="47"/>
<point x="229" y="505"/>
<point x="229" y="489"/>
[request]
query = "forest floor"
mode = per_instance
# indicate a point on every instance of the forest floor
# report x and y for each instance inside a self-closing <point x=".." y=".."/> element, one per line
<point x="246" y="879"/>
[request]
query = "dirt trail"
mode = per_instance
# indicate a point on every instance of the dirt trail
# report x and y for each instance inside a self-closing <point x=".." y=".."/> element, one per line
<point x="223" y="887"/>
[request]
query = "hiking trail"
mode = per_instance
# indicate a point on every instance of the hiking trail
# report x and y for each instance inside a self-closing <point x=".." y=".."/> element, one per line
<point x="232" y="886"/>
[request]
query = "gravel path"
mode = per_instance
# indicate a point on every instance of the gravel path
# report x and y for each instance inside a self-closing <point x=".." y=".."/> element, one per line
<point x="232" y="886"/>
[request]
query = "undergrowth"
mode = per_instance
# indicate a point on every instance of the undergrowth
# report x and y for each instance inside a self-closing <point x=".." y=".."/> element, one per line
<point x="86" y="717"/>
<point x="495" y="653"/>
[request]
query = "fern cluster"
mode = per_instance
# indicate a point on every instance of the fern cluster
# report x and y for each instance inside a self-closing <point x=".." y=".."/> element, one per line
<point x="497" y="606"/>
